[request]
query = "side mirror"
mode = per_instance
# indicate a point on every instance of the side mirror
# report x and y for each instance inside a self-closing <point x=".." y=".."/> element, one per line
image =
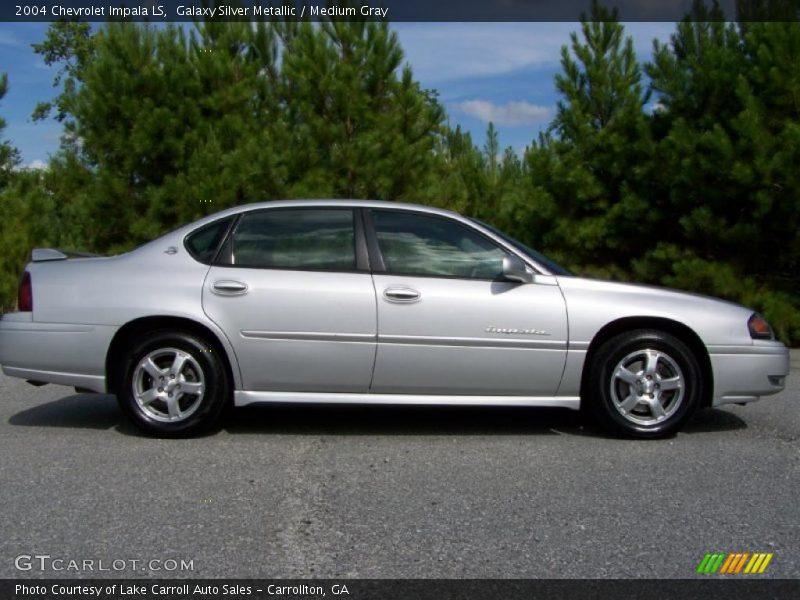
<point x="515" y="270"/>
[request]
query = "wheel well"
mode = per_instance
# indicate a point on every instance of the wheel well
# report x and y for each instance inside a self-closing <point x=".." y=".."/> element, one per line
<point x="679" y="330"/>
<point x="138" y="327"/>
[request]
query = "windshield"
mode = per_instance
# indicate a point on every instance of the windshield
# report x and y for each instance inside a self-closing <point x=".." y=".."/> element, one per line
<point x="540" y="258"/>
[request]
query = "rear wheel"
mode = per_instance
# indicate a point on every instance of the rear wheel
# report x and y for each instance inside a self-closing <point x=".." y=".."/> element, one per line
<point x="644" y="383"/>
<point x="174" y="384"/>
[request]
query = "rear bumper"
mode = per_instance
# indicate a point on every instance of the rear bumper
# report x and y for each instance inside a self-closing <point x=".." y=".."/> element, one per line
<point x="746" y="373"/>
<point x="63" y="353"/>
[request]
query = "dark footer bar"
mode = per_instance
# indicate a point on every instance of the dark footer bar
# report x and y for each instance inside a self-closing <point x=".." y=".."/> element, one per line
<point x="388" y="589"/>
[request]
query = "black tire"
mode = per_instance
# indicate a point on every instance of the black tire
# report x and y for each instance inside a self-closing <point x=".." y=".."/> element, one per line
<point x="635" y="373"/>
<point x="159" y="404"/>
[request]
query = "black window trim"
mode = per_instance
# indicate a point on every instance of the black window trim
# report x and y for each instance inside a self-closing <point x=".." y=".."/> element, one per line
<point x="375" y="255"/>
<point x="369" y="258"/>
<point x="375" y="250"/>
<point x="225" y="253"/>
<point x="362" y="252"/>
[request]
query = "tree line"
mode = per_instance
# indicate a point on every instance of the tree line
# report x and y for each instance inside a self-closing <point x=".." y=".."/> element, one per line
<point x="682" y="171"/>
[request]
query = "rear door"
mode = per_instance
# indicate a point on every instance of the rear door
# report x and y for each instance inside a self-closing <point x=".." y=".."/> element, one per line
<point x="449" y="324"/>
<point x="293" y="293"/>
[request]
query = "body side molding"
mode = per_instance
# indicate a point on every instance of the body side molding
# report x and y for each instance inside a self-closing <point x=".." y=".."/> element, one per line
<point x="245" y="398"/>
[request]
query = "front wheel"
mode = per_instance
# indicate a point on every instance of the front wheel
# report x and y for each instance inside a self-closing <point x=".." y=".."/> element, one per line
<point x="644" y="383"/>
<point x="174" y="384"/>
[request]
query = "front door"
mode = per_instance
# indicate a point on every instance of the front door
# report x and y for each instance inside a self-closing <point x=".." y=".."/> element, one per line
<point x="449" y="324"/>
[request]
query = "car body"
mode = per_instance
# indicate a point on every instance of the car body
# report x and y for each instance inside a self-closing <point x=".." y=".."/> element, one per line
<point x="374" y="302"/>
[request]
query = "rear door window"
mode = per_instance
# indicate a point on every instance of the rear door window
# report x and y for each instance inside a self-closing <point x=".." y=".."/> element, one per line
<point x="296" y="238"/>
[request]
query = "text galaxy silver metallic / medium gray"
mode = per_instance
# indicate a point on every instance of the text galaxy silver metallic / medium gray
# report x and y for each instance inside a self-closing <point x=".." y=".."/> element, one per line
<point x="374" y="302"/>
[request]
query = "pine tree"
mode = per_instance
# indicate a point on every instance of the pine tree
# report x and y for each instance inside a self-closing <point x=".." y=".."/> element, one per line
<point x="459" y="173"/>
<point x="69" y="44"/>
<point x="29" y="215"/>
<point x="698" y="190"/>
<point x="491" y="150"/>
<point x="9" y="156"/>
<point x="357" y="130"/>
<point x="9" y="218"/>
<point x="171" y="125"/>
<point x="728" y="150"/>
<point x="591" y="175"/>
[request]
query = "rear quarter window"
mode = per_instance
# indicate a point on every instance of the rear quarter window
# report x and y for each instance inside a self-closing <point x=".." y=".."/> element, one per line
<point x="203" y="243"/>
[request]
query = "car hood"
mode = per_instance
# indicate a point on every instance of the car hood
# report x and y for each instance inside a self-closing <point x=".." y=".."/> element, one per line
<point x="641" y="289"/>
<point x="592" y="303"/>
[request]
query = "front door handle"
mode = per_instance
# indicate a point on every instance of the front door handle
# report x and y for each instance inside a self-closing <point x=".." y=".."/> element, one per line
<point x="401" y="294"/>
<point x="229" y="287"/>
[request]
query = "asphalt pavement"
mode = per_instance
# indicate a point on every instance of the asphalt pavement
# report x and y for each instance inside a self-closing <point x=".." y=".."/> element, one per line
<point x="391" y="492"/>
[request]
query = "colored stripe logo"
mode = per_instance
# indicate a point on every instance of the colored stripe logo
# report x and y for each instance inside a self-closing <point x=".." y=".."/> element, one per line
<point x="734" y="563"/>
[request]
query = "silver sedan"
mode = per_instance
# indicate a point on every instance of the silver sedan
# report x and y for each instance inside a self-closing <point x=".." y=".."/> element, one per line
<point x="374" y="302"/>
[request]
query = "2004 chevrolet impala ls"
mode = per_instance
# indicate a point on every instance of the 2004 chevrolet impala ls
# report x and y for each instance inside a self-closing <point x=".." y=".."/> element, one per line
<point x="374" y="302"/>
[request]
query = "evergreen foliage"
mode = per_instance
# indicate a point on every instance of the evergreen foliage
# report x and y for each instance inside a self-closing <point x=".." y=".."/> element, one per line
<point x="595" y="170"/>
<point x="9" y="156"/>
<point x="728" y="147"/>
<point x="686" y="177"/>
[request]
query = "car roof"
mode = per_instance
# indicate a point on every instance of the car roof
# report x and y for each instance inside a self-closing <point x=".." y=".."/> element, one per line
<point x="341" y="202"/>
<point x="317" y="202"/>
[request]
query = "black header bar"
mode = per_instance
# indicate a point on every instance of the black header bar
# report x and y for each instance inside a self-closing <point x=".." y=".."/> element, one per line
<point x="391" y="10"/>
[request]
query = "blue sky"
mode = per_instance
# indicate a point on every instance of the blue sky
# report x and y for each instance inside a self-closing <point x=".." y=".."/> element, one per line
<point x="501" y="72"/>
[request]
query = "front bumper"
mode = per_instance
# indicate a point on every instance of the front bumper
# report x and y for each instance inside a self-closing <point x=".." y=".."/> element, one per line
<point x="745" y="373"/>
<point x="63" y="353"/>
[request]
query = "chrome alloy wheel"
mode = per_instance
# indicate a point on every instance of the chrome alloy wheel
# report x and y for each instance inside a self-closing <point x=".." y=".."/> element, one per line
<point x="168" y="385"/>
<point x="647" y="387"/>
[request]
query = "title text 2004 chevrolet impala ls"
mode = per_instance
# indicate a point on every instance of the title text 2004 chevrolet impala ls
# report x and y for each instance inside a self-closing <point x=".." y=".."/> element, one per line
<point x="374" y="302"/>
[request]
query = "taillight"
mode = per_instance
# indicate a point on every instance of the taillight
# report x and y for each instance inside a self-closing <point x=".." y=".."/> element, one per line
<point x="25" y="296"/>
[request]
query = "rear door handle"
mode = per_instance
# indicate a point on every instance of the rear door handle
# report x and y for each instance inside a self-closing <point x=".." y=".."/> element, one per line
<point x="401" y="294"/>
<point x="229" y="287"/>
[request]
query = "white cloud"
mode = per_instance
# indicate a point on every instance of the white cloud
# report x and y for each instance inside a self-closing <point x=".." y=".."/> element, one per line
<point x="450" y="51"/>
<point x="440" y="52"/>
<point x="8" y="38"/>
<point x="36" y="165"/>
<point x="511" y="113"/>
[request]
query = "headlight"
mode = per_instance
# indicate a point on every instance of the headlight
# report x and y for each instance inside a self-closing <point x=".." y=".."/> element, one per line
<point x="759" y="328"/>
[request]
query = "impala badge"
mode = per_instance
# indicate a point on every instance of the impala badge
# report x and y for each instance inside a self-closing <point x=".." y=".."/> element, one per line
<point x="515" y="331"/>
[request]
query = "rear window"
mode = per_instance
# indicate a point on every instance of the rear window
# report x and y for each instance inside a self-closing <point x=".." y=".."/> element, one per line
<point x="202" y="243"/>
